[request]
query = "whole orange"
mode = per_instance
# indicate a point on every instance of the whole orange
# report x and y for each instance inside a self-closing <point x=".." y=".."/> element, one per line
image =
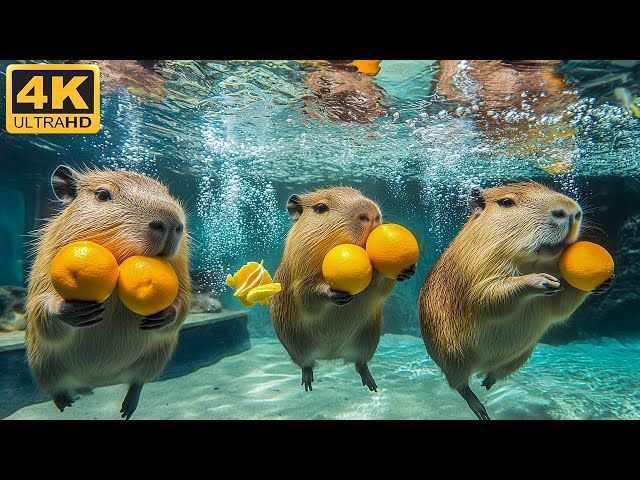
<point x="147" y="285"/>
<point x="84" y="271"/>
<point x="369" y="67"/>
<point x="585" y="265"/>
<point x="392" y="249"/>
<point x="347" y="268"/>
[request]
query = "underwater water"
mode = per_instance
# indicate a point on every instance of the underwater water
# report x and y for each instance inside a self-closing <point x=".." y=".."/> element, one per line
<point x="233" y="140"/>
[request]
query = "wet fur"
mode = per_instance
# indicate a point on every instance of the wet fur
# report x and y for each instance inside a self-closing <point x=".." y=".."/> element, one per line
<point x="309" y="326"/>
<point x="476" y="313"/>
<point x="64" y="359"/>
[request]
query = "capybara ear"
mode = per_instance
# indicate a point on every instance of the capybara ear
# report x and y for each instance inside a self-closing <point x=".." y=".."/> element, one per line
<point x="65" y="183"/>
<point x="294" y="206"/>
<point x="476" y="200"/>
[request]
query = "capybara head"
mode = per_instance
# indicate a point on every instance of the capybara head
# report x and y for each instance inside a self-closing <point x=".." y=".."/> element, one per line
<point x="526" y="220"/>
<point x="329" y="217"/>
<point x="129" y="213"/>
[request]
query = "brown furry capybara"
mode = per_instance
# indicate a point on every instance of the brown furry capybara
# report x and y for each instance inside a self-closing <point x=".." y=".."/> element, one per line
<point x="75" y="346"/>
<point x="496" y="92"/>
<point x="496" y="289"/>
<point x="140" y="77"/>
<point x="342" y="93"/>
<point x="312" y="321"/>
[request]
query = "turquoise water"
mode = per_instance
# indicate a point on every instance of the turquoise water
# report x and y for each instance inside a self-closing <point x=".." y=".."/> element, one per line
<point x="234" y="139"/>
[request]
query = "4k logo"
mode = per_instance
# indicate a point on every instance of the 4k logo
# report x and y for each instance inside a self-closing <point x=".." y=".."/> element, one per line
<point x="53" y="98"/>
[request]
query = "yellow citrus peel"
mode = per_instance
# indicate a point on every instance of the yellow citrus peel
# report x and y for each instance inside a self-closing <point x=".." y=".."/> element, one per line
<point x="253" y="284"/>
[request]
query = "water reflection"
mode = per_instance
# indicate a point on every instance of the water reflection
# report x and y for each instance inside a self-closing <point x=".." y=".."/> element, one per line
<point x="342" y="92"/>
<point x="521" y="105"/>
<point x="139" y="77"/>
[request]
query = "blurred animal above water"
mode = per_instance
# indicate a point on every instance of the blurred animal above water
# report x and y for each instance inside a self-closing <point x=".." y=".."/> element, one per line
<point x="342" y="93"/>
<point x="519" y="104"/>
<point x="140" y="77"/>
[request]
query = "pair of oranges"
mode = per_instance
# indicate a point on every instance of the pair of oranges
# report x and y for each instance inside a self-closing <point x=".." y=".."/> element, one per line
<point x="87" y="271"/>
<point x="390" y="249"/>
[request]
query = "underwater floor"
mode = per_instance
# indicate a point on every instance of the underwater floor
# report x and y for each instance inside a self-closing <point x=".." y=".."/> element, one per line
<point x="586" y="380"/>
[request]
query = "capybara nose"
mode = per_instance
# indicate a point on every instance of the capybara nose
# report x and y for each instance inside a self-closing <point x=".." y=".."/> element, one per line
<point x="559" y="213"/>
<point x="163" y="228"/>
<point x="158" y="227"/>
<point x="370" y="218"/>
<point x="166" y="235"/>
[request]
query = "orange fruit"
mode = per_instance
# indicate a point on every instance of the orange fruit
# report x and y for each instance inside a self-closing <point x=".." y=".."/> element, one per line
<point x="368" y="67"/>
<point x="392" y="249"/>
<point x="84" y="271"/>
<point x="347" y="268"/>
<point x="147" y="285"/>
<point x="585" y="265"/>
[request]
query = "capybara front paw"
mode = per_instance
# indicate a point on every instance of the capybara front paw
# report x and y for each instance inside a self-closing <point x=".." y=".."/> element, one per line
<point x="604" y="287"/>
<point x="407" y="273"/>
<point x="339" y="298"/>
<point x="160" y="319"/>
<point x="80" y="314"/>
<point x="544" y="283"/>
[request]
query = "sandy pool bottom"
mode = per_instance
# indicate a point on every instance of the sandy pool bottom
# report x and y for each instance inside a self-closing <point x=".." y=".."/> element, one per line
<point x="590" y="380"/>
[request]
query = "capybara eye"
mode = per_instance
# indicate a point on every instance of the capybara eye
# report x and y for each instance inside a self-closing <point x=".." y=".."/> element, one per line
<point x="506" y="202"/>
<point x="320" y="208"/>
<point x="103" y="195"/>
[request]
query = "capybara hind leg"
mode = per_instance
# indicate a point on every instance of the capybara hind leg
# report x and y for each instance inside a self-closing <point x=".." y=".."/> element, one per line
<point x="148" y="367"/>
<point x="363" y="347"/>
<point x="305" y="362"/>
<point x="505" y="370"/>
<point x="131" y="400"/>
<point x="307" y="378"/>
<point x="367" y="379"/>
<point x="62" y="400"/>
<point x="473" y="402"/>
